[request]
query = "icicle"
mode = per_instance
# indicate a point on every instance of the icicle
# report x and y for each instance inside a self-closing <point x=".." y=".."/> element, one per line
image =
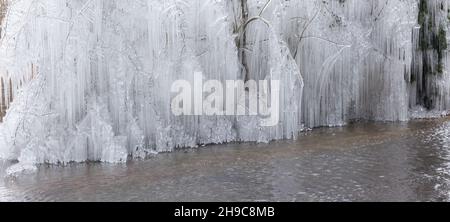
<point x="90" y="80"/>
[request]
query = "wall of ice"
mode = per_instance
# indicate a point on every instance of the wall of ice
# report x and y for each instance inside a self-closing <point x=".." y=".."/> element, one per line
<point x="90" y="79"/>
<point x="429" y="85"/>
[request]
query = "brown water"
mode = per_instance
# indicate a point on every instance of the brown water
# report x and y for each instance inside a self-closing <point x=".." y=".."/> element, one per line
<point x="361" y="162"/>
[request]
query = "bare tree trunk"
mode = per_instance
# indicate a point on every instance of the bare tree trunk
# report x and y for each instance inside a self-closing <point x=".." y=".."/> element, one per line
<point x="243" y="40"/>
<point x="10" y="92"/>
<point x="3" y="100"/>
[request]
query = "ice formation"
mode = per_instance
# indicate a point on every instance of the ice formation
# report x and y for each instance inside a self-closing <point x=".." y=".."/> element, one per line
<point x="90" y="79"/>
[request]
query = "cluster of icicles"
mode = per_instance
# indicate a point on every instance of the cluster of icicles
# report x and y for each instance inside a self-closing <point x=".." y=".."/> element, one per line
<point x="91" y="79"/>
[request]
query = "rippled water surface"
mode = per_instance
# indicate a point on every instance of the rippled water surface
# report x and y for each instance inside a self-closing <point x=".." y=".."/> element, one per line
<point x="361" y="162"/>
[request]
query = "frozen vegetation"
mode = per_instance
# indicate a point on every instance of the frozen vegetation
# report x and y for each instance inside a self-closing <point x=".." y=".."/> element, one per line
<point x="90" y="79"/>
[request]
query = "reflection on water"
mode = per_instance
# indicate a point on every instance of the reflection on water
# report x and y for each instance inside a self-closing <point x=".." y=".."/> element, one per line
<point x="361" y="162"/>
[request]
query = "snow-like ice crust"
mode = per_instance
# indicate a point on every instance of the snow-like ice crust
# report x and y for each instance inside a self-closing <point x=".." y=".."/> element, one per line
<point x="95" y="75"/>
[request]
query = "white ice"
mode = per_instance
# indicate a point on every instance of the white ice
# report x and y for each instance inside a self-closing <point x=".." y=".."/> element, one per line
<point x="91" y="78"/>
